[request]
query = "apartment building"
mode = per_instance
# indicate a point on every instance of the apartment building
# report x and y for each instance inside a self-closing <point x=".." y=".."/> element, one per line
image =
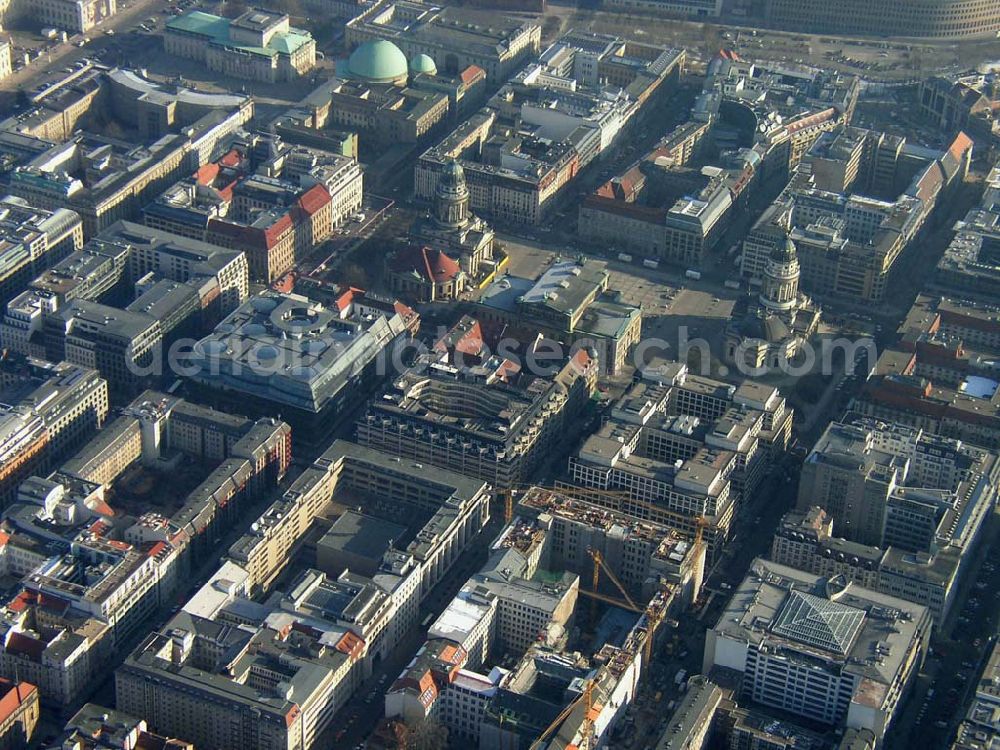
<point x="108" y="587"/>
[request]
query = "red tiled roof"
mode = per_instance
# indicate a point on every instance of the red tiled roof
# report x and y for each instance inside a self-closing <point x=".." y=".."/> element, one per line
<point x="20" y="644"/>
<point x="15" y="694"/>
<point x="286" y="283"/>
<point x="206" y="174"/>
<point x="21" y="602"/>
<point x="960" y="145"/>
<point x="313" y="199"/>
<point x="471" y="74"/>
<point x="404" y="310"/>
<point x="351" y="644"/>
<point x="430" y="263"/>
<point x="231" y="159"/>
<point x="815" y="119"/>
<point x="102" y="508"/>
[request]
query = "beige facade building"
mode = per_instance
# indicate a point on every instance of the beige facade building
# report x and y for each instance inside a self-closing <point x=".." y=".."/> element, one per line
<point x="6" y="58"/>
<point x="258" y="45"/>
<point x="74" y="16"/>
<point x="19" y="712"/>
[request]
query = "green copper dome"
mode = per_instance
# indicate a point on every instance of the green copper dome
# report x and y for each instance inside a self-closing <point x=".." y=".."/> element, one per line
<point x="378" y="62"/>
<point x="423" y="64"/>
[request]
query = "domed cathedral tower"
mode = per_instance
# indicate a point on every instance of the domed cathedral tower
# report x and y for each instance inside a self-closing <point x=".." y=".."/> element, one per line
<point x="452" y="196"/>
<point x="780" y="289"/>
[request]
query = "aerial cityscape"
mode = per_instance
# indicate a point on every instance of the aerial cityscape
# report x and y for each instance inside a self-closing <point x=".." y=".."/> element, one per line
<point x="500" y="375"/>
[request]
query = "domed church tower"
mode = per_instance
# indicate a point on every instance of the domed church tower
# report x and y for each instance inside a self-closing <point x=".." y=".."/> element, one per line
<point x="780" y="288"/>
<point x="452" y="196"/>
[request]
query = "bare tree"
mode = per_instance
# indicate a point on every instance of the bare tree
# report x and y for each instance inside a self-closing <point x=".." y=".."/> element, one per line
<point x="426" y="735"/>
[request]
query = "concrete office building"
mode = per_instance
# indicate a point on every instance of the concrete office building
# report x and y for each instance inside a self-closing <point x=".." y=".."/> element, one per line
<point x="62" y="526"/>
<point x="457" y="504"/>
<point x="805" y="541"/>
<point x="485" y="419"/>
<point x="951" y="19"/>
<point x="937" y="376"/>
<point x="646" y="557"/>
<point x="680" y="447"/>
<point x="289" y="352"/>
<point x="532" y="138"/>
<point x="181" y="286"/>
<point x="104" y="179"/>
<point x="979" y="725"/>
<point x="568" y="302"/>
<point x="894" y="485"/>
<point x="969" y="268"/>
<point x="358" y="618"/>
<point x="32" y="240"/>
<point x="693" y="721"/>
<point x="521" y="604"/>
<point x="781" y="624"/>
<point x="49" y="412"/>
<point x="183" y="681"/>
<point x="849" y="243"/>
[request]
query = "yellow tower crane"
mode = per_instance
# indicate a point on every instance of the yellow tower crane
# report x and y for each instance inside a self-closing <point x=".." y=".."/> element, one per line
<point x="586" y="697"/>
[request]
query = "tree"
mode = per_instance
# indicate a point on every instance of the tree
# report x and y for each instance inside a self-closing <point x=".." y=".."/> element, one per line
<point x="426" y="735"/>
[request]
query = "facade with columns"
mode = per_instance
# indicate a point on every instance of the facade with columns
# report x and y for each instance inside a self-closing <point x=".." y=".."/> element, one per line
<point x="454" y="230"/>
<point x="770" y="329"/>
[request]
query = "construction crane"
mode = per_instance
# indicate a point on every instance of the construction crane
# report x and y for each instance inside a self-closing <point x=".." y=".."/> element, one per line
<point x="653" y="616"/>
<point x="508" y="505"/>
<point x="586" y="697"/>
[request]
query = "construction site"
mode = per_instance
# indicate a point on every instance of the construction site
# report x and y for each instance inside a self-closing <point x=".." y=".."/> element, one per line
<point x="552" y="639"/>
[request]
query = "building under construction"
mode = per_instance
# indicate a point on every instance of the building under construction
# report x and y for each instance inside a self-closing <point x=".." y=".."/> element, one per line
<point x="512" y="663"/>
